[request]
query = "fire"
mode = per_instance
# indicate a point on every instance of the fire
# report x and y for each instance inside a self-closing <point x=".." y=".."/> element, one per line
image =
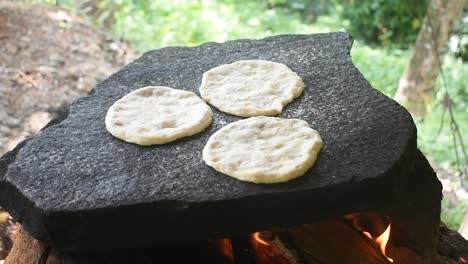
<point x="372" y="222"/>
<point x="462" y="260"/>
<point x="382" y="241"/>
<point x="266" y="252"/>
<point x="257" y="238"/>
<point x="367" y="234"/>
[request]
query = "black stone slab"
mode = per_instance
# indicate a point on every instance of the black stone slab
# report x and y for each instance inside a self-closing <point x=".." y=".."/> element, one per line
<point x="79" y="188"/>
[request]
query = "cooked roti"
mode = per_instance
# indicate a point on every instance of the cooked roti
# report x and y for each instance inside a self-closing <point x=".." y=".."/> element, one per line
<point x="251" y="87"/>
<point x="157" y="115"/>
<point x="263" y="149"/>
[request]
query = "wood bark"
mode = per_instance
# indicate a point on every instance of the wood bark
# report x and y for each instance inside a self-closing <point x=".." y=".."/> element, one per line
<point x="27" y="250"/>
<point x="334" y="241"/>
<point x="416" y="87"/>
<point x="6" y="233"/>
<point x="452" y="245"/>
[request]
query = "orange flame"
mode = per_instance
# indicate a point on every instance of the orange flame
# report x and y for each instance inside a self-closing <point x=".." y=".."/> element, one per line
<point x="462" y="260"/>
<point x="382" y="241"/>
<point x="260" y="240"/>
<point x="266" y="251"/>
<point x="368" y="235"/>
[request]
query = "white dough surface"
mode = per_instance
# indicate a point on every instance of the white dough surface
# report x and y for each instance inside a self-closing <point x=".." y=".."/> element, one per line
<point x="157" y="115"/>
<point x="263" y="149"/>
<point x="251" y="87"/>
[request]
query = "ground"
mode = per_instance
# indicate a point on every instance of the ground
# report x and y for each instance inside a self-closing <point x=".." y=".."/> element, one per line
<point x="48" y="58"/>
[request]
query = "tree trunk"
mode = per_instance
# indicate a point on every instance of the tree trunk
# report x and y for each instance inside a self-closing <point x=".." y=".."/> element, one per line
<point x="416" y="87"/>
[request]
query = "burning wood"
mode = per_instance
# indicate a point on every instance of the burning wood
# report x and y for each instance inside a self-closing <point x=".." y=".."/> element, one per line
<point x="381" y="240"/>
<point x="334" y="241"/>
<point x="269" y="248"/>
<point x="224" y="247"/>
<point x="371" y="224"/>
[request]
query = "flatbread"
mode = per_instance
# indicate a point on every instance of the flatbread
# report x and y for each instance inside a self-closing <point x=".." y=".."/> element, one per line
<point x="251" y="87"/>
<point x="157" y="115"/>
<point x="263" y="149"/>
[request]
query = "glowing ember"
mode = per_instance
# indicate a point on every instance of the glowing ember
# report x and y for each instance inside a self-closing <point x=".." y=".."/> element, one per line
<point x="225" y="248"/>
<point x="382" y="241"/>
<point x="462" y="260"/>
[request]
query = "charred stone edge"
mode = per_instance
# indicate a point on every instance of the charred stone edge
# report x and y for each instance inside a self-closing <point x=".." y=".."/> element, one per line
<point x="452" y="244"/>
<point x="29" y="213"/>
<point x="100" y="223"/>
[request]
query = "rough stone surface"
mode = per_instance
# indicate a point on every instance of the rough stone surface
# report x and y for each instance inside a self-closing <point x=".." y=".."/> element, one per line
<point x="78" y="187"/>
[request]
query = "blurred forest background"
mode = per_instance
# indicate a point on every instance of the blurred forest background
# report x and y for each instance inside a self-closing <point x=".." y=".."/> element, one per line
<point x="385" y="34"/>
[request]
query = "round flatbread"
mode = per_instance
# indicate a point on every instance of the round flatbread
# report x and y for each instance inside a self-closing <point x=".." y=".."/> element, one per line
<point x="251" y="87"/>
<point x="157" y="115"/>
<point x="263" y="149"/>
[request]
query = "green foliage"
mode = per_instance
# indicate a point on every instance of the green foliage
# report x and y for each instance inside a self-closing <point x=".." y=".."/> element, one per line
<point x="309" y="10"/>
<point x="453" y="217"/>
<point x="49" y="2"/>
<point x="382" y="67"/>
<point x="459" y="40"/>
<point x="384" y="21"/>
<point x="152" y="24"/>
<point x="440" y="145"/>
